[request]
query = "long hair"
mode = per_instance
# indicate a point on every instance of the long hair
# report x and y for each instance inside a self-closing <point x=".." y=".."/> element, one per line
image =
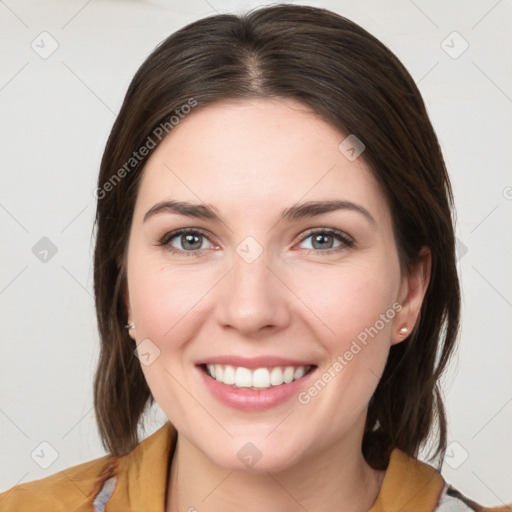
<point x="355" y="83"/>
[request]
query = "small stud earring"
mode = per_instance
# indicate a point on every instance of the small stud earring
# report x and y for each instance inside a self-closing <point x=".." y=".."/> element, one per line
<point x="403" y="330"/>
<point x="130" y="326"/>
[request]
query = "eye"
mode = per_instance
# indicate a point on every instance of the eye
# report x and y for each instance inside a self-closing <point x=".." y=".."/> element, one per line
<point x="322" y="240"/>
<point x="185" y="241"/>
<point x="189" y="242"/>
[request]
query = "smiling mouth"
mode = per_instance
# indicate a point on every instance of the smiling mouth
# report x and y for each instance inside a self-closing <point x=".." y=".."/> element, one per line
<point x="257" y="379"/>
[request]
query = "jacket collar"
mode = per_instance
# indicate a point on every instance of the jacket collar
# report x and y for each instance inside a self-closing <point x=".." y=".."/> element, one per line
<point x="408" y="485"/>
<point x="142" y="474"/>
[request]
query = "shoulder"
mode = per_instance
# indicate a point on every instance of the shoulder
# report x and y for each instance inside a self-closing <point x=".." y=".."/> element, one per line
<point x="413" y="485"/>
<point x="74" y="488"/>
<point x="452" y="500"/>
<point x="129" y="482"/>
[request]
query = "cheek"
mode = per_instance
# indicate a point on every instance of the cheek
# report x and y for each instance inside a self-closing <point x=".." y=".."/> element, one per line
<point x="166" y="302"/>
<point x="354" y="310"/>
<point x="350" y="301"/>
<point x="164" y="299"/>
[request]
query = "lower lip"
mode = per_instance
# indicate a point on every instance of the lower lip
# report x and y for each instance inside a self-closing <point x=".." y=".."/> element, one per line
<point x="247" y="399"/>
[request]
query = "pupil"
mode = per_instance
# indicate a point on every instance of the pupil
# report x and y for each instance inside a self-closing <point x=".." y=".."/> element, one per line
<point x="319" y="238"/>
<point x="188" y="239"/>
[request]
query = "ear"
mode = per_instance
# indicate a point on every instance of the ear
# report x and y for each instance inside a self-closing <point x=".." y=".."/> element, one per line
<point x="126" y="293"/>
<point x="411" y="294"/>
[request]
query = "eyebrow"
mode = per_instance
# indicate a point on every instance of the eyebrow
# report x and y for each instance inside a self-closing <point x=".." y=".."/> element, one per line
<point x="293" y="213"/>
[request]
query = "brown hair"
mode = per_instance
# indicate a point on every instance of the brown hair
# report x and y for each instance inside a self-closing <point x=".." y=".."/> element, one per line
<point x="358" y="85"/>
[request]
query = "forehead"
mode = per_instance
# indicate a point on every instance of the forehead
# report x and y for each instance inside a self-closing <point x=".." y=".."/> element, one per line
<point x="247" y="154"/>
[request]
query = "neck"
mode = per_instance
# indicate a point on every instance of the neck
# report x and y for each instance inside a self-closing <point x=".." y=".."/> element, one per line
<point x="336" y="479"/>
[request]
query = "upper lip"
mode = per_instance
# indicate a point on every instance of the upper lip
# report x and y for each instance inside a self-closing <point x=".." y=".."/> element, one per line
<point x="254" y="362"/>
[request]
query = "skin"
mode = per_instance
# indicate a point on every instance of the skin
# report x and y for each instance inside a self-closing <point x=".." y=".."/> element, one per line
<point x="251" y="159"/>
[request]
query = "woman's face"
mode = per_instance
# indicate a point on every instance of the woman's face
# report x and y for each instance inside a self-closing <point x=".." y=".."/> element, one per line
<point x="258" y="297"/>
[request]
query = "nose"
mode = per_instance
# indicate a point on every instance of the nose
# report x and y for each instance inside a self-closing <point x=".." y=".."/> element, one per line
<point x="253" y="298"/>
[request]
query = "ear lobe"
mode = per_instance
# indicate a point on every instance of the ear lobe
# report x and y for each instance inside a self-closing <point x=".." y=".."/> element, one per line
<point x="129" y="320"/>
<point x="412" y="292"/>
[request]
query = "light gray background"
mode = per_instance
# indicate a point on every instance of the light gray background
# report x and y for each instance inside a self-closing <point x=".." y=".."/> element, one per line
<point x="56" y="114"/>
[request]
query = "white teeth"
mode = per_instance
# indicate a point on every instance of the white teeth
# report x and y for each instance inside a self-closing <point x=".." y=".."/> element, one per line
<point x="260" y="378"/>
<point x="288" y="374"/>
<point x="276" y="376"/>
<point x="228" y="376"/>
<point x="299" y="372"/>
<point x="243" y="378"/>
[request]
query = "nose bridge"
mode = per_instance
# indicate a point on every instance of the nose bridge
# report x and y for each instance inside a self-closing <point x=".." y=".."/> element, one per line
<point x="253" y="297"/>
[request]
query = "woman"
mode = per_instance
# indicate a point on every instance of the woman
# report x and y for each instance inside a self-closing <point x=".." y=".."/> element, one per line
<point x="294" y="377"/>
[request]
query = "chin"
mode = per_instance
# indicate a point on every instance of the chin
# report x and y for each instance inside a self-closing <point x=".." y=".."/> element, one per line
<point x="253" y="456"/>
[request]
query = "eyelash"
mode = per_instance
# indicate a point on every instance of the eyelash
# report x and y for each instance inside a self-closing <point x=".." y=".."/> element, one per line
<point x="342" y="237"/>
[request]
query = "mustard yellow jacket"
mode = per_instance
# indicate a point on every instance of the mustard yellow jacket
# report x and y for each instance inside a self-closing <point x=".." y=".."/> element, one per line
<point x="137" y="483"/>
